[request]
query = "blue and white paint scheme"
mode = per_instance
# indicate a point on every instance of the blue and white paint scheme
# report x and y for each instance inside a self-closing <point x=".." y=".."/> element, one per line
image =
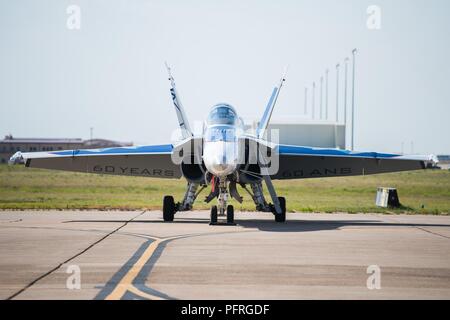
<point x="222" y="157"/>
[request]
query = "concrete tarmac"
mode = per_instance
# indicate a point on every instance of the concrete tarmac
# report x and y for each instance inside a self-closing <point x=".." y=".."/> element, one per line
<point x="134" y="255"/>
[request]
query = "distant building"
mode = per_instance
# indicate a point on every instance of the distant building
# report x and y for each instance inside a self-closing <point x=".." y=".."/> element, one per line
<point x="444" y="161"/>
<point x="444" y="158"/>
<point x="11" y="145"/>
<point x="304" y="132"/>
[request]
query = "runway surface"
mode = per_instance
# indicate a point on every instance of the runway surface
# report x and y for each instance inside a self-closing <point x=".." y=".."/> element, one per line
<point x="134" y="255"/>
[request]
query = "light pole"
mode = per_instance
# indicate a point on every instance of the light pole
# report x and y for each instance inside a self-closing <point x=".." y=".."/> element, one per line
<point x="353" y="98"/>
<point x="345" y="99"/>
<point x="305" y="111"/>
<point x="337" y="93"/>
<point x="91" y="129"/>
<point x="321" y="97"/>
<point x="313" y="100"/>
<point x="326" y="94"/>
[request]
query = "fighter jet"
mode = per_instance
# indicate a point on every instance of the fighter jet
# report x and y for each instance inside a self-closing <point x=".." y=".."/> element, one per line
<point x="223" y="156"/>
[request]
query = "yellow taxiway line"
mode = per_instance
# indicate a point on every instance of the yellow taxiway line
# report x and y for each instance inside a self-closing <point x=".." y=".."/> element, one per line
<point x="143" y="294"/>
<point x="126" y="283"/>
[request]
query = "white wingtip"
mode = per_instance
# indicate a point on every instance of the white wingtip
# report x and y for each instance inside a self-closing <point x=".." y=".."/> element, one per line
<point x="17" y="158"/>
<point x="434" y="159"/>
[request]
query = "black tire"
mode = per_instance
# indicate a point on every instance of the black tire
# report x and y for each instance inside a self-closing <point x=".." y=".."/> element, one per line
<point x="281" y="217"/>
<point x="168" y="208"/>
<point x="214" y="214"/>
<point x="230" y="214"/>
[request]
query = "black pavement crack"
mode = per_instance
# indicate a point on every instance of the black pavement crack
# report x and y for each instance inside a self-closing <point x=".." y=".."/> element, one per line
<point x="422" y="228"/>
<point x="71" y="258"/>
<point x="434" y="233"/>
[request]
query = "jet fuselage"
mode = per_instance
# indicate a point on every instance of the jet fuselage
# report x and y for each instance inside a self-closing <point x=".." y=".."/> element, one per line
<point x="221" y="140"/>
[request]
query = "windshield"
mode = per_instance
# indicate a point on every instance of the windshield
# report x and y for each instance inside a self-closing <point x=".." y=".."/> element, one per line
<point x="222" y="114"/>
<point x="220" y="134"/>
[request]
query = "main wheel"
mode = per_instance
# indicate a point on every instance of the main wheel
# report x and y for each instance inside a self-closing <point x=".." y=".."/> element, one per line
<point x="213" y="214"/>
<point x="168" y="208"/>
<point x="230" y="214"/>
<point x="281" y="217"/>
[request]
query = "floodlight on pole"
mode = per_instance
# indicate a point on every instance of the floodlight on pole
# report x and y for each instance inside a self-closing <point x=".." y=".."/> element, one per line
<point x="337" y="93"/>
<point x="345" y="98"/>
<point x="353" y="97"/>
<point x="326" y="93"/>
<point x="313" y="100"/>
<point x="321" y="97"/>
<point x="345" y="89"/>
<point x="305" y="111"/>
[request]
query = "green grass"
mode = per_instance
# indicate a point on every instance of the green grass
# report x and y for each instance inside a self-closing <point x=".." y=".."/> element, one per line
<point x="425" y="192"/>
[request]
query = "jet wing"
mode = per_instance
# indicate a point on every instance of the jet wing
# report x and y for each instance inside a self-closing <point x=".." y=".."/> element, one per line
<point x="147" y="161"/>
<point x="296" y="162"/>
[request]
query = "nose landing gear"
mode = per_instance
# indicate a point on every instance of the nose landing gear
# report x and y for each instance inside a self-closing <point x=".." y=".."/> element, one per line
<point x="222" y="208"/>
<point x="215" y="213"/>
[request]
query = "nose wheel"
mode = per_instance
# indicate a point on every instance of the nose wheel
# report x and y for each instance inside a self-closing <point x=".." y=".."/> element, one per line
<point x="213" y="219"/>
<point x="230" y="214"/>
<point x="215" y="214"/>
<point x="222" y="208"/>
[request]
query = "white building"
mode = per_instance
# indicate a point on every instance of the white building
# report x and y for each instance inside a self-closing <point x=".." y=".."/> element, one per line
<point x="311" y="133"/>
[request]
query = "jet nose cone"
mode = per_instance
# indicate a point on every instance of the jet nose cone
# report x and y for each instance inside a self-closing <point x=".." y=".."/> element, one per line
<point x="220" y="157"/>
<point x="219" y="169"/>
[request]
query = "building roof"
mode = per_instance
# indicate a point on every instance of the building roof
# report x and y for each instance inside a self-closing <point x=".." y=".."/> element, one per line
<point x="95" y="142"/>
<point x="104" y="142"/>
<point x="11" y="139"/>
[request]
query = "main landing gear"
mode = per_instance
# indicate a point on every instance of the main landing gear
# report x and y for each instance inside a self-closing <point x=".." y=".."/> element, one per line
<point x="261" y="204"/>
<point x="168" y="208"/>
<point x="222" y="209"/>
<point x="280" y="217"/>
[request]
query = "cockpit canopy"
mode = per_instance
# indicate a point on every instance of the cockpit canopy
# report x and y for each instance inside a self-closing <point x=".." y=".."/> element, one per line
<point x="222" y="114"/>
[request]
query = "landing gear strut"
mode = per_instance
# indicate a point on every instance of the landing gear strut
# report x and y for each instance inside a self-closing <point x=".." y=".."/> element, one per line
<point x="263" y="206"/>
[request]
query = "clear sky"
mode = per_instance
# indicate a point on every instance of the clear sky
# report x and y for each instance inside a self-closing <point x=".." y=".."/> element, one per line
<point x="110" y="74"/>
